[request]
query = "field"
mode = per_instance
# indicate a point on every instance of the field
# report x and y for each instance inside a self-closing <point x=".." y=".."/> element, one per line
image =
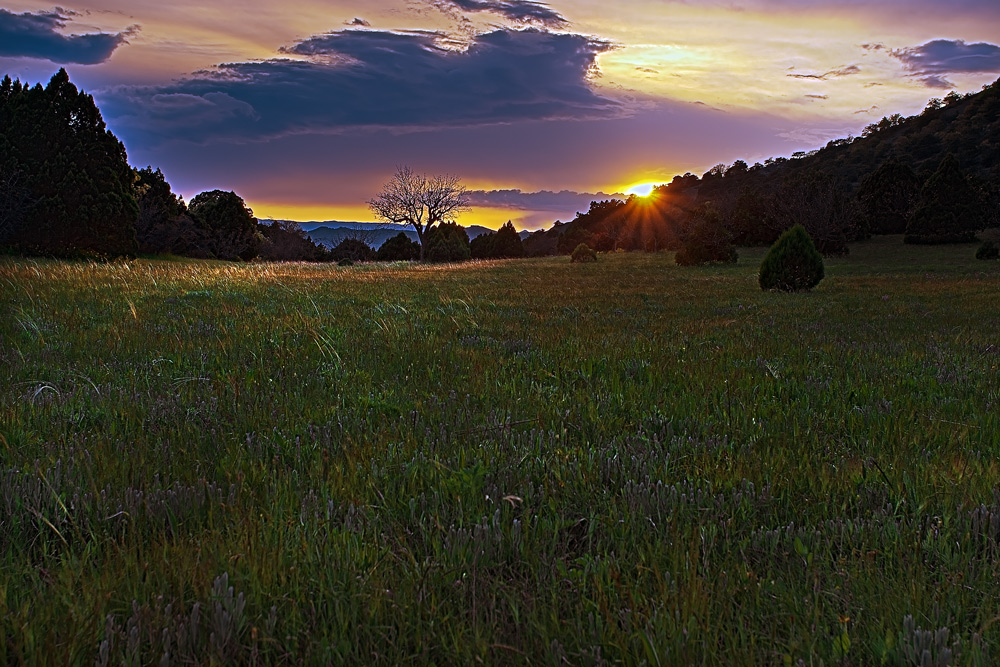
<point x="525" y="461"/>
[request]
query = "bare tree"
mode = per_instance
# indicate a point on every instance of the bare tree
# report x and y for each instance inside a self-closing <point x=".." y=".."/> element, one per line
<point x="420" y="201"/>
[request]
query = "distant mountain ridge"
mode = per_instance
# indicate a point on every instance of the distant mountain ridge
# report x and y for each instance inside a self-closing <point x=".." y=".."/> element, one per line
<point x="332" y="232"/>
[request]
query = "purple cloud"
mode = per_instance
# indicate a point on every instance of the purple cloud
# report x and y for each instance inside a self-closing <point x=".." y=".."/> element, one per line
<point x="368" y="78"/>
<point x="931" y="62"/>
<point x="35" y="35"/>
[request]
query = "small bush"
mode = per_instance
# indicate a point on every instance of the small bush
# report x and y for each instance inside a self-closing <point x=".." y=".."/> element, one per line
<point x="583" y="253"/>
<point x="988" y="250"/>
<point x="345" y="262"/>
<point x="792" y="264"/>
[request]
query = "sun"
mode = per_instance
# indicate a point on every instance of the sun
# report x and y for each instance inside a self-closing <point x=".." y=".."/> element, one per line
<point x="641" y="189"/>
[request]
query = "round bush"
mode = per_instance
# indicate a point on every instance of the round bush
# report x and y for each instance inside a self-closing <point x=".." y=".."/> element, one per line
<point x="583" y="253"/>
<point x="792" y="264"/>
<point x="988" y="250"/>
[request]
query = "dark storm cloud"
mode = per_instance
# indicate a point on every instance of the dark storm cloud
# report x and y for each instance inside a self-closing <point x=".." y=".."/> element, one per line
<point x="521" y="11"/>
<point x="366" y="78"/>
<point x="35" y="35"/>
<point x="931" y="62"/>
<point x="832" y="74"/>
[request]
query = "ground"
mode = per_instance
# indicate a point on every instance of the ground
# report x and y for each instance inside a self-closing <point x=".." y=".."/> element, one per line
<point x="626" y="461"/>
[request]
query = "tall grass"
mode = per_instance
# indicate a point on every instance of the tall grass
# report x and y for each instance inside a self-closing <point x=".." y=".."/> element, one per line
<point x="621" y="462"/>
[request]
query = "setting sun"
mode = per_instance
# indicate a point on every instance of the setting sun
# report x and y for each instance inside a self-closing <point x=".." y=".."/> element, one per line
<point x="641" y="190"/>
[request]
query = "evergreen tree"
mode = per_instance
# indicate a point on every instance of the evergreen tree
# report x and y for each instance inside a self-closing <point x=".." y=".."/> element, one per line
<point x="399" y="248"/>
<point x="230" y="222"/>
<point x="74" y="172"/>
<point x="886" y="197"/>
<point x="949" y="210"/>
<point x="507" y="242"/>
<point x="792" y="264"/>
<point x="447" y="242"/>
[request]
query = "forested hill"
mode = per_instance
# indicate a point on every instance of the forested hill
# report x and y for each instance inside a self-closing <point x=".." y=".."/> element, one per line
<point x="895" y="178"/>
<point x="966" y="126"/>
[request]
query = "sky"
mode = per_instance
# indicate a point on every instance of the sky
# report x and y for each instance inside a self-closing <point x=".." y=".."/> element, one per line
<point x="306" y="107"/>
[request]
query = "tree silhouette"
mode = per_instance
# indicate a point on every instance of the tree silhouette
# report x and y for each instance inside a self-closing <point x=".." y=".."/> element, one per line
<point x="886" y="198"/>
<point x="399" y="248"/>
<point x="420" y="201"/>
<point x="949" y="208"/>
<point x="231" y="223"/>
<point x="70" y="174"/>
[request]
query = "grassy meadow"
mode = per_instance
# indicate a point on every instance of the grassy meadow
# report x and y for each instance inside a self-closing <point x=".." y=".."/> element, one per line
<point x="626" y="462"/>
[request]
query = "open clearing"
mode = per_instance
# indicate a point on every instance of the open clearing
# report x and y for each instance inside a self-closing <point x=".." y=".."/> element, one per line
<point x="625" y="461"/>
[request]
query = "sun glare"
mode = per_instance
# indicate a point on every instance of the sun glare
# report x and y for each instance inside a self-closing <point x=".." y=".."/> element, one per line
<point x="641" y="190"/>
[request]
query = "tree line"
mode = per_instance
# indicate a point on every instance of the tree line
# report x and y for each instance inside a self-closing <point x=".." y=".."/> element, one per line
<point x="67" y="190"/>
<point x="933" y="177"/>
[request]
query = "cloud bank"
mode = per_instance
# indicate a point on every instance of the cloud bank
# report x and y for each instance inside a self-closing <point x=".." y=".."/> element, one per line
<point x="933" y="61"/>
<point x="368" y="78"/>
<point x="36" y="35"/>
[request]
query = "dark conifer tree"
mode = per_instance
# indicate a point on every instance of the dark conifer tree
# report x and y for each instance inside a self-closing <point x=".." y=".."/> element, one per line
<point x="886" y="197"/>
<point x="74" y="172"/>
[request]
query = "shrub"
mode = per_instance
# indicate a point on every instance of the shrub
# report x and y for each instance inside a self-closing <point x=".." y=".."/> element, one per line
<point x="399" y="248"/>
<point x="988" y="250"/>
<point x="706" y="242"/>
<point x="792" y="264"/>
<point x="355" y="250"/>
<point x="583" y="253"/>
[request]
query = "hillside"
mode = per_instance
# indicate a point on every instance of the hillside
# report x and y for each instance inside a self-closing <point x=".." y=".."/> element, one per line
<point x="820" y="188"/>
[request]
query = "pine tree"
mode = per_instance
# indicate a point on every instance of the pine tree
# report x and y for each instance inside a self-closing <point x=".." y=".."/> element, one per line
<point x="792" y="264"/>
<point x="886" y="198"/>
<point x="75" y="172"/>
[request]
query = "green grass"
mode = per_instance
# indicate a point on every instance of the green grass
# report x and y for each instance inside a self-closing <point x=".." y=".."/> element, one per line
<point x="527" y="461"/>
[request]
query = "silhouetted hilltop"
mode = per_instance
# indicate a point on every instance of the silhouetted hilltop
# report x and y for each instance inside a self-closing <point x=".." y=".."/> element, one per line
<point x="840" y="192"/>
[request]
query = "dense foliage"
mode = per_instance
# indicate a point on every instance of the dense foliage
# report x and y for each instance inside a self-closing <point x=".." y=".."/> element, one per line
<point x="285" y="240"/>
<point x="446" y="242"/>
<point x="230" y="222"/>
<point x="65" y="182"/>
<point x="398" y="248"/>
<point x="792" y="264"/>
<point x="949" y="209"/>
<point x="505" y="243"/>
<point x="707" y="241"/>
<point x="352" y="249"/>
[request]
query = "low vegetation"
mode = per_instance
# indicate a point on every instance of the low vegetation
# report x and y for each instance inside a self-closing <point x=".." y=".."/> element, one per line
<point x="792" y="264"/>
<point x="500" y="462"/>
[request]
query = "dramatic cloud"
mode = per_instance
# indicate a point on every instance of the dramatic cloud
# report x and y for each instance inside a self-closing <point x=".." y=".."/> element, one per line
<point x="931" y="62"/>
<point x="832" y="74"/>
<point x="367" y="78"/>
<point x="36" y="35"/>
<point x="521" y="11"/>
